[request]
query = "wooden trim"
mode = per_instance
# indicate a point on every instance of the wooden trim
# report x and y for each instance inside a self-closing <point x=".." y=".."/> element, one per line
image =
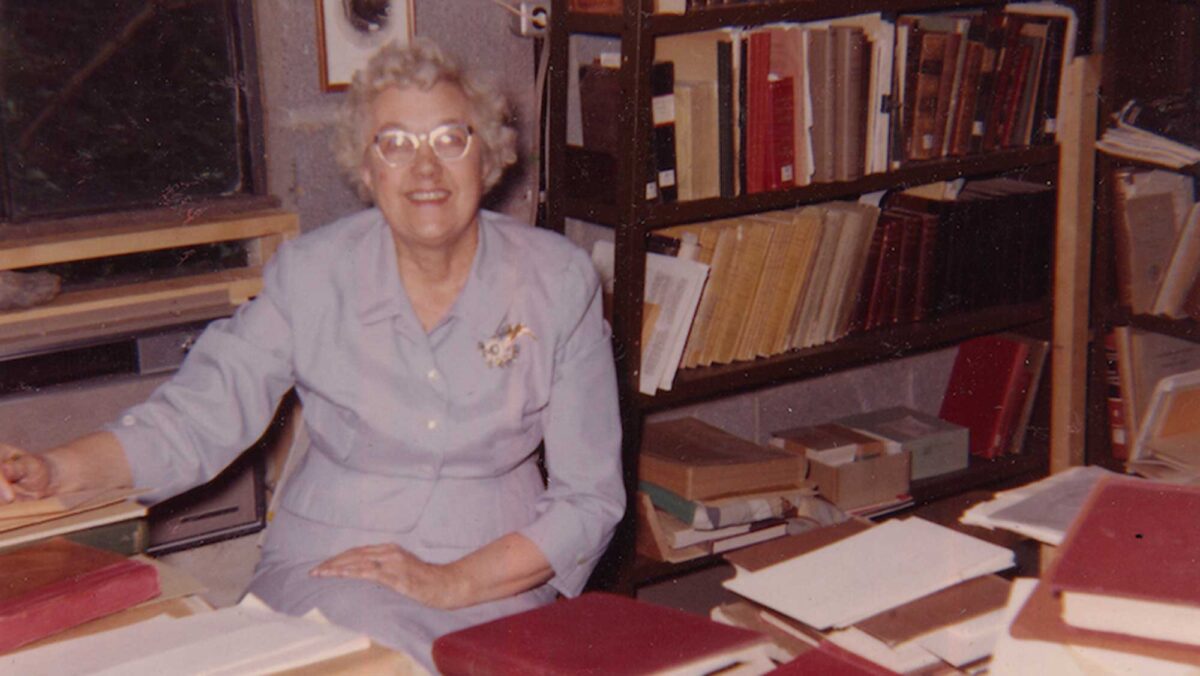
<point x="1073" y="247"/>
<point x="137" y="238"/>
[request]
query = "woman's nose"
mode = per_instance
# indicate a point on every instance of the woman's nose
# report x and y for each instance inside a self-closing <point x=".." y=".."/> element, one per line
<point x="425" y="162"/>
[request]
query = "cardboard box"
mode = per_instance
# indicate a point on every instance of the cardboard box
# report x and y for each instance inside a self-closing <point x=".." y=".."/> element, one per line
<point x="937" y="446"/>
<point x="863" y="482"/>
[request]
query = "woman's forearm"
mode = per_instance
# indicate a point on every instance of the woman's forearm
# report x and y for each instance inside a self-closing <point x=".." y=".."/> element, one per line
<point x="504" y="567"/>
<point x="95" y="461"/>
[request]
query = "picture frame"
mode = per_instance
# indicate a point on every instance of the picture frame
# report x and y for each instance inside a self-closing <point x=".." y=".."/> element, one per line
<point x="350" y="31"/>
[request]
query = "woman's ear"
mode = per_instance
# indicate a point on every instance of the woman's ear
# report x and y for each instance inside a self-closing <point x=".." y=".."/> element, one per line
<point x="364" y="172"/>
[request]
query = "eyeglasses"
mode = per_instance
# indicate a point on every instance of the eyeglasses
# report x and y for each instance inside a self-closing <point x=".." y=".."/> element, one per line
<point x="448" y="142"/>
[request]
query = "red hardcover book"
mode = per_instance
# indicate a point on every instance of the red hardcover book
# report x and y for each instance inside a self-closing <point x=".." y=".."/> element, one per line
<point x="52" y="586"/>
<point x="758" y="111"/>
<point x="596" y="633"/>
<point x="981" y="394"/>
<point x="1128" y="563"/>
<point x="887" y="268"/>
<point x="781" y="153"/>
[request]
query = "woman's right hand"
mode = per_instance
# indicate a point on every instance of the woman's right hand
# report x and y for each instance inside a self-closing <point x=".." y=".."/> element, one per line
<point x="23" y="475"/>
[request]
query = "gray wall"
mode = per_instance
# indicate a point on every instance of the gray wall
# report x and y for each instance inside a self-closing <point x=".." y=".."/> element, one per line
<point x="299" y="115"/>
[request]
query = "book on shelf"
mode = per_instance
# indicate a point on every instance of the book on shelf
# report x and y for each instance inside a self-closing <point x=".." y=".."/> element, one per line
<point x="696" y="460"/>
<point x="598" y="632"/>
<point x="1151" y="206"/>
<point x="986" y="391"/>
<point x="1168" y="441"/>
<point x="1143" y="358"/>
<point x="830" y="443"/>
<point x="673" y="286"/>
<point x="1179" y="280"/>
<point x="662" y="116"/>
<point x="1119" y="430"/>
<point x="51" y="586"/>
<point x="728" y="510"/>
<point x="937" y="446"/>
<point x="1164" y="131"/>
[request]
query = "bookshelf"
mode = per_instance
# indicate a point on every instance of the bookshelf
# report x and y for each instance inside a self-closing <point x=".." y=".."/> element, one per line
<point x="1147" y="55"/>
<point x="616" y="201"/>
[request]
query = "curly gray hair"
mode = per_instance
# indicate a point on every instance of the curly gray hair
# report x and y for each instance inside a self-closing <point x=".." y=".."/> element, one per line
<point x="423" y="64"/>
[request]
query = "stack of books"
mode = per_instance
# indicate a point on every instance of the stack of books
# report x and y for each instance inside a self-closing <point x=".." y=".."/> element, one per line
<point x="1122" y="581"/>
<point x="738" y="289"/>
<point x="108" y="519"/>
<point x="705" y="491"/>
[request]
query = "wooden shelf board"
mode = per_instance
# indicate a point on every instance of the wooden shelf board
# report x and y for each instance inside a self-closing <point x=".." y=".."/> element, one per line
<point x="1187" y="329"/>
<point x="236" y="286"/>
<point x="754" y="14"/>
<point x="37" y="249"/>
<point x="664" y="215"/>
<point x="693" y="385"/>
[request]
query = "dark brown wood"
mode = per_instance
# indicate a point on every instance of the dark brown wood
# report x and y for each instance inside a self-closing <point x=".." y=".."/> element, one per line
<point x="624" y="208"/>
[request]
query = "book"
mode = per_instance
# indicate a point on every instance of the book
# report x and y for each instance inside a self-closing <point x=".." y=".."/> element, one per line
<point x="1168" y="441"/>
<point x="738" y="508"/>
<point x="51" y="586"/>
<point x="673" y="286"/>
<point x="821" y="83"/>
<point x="696" y="461"/>
<point x="1114" y="400"/>
<point x="1143" y="359"/>
<point x="830" y="443"/>
<point x="662" y="105"/>
<point x="129" y="513"/>
<point x="1180" y="274"/>
<point x="1150" y="209"/>
<point x="851" y="80"/>
<point x="599" y="632"/>
<point x="828" y="658"/>
<point x="1127" y="565"/>
<point x="981" y="392"/>
<point x="937" y="446"/>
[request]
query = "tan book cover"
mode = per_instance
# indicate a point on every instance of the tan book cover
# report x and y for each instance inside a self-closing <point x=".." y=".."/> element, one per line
<point x="808" y="222"/>
<point x="806" y="330"/>
<point x="733" y="308"/>
<point x="697" y="460"/>
<point x="772" y="286"/>
<point x="724" y="238"/>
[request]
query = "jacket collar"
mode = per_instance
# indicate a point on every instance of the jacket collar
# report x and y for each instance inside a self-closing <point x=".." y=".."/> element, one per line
<point x="483" y="303"/>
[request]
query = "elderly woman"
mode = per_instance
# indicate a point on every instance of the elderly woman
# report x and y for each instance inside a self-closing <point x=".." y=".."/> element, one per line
<point x="434" y="346"/>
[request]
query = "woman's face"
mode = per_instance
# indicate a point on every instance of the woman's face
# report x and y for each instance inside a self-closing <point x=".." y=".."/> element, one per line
<point x="428" y="202"/>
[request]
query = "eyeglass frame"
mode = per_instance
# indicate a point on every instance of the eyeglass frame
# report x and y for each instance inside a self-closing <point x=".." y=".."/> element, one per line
<point x="423" y="138"/>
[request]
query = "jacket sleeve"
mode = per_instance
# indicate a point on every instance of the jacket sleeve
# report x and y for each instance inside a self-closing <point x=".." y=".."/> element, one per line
<point x="221" y="399"/>
<point x="585" y="496"/>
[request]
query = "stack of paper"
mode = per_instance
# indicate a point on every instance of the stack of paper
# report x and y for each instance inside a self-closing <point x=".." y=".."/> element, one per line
<point x="33" y="520"/>
<point x="1042" y="510"/>
<point x="245" y="639"/>
<point x="868" y="573"/>
<point x="1127" y="140"/>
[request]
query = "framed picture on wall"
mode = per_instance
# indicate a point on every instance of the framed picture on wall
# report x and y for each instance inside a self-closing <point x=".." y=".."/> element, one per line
<point x="349" y="32"/>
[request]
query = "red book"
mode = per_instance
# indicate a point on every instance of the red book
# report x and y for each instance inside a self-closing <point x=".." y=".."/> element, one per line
<point x="758" y="111"/>
<point x="981" y="394"/>
<point x="781" y="153"/>
<point x="596" y="633"/>
<point x="1128" y="563"/>
<point x="52" y="586"/>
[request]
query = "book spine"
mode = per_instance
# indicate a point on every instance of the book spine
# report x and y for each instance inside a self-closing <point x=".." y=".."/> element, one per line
<point x="1114" y="401"/>
<point x="725" y="121"/>
<point x="922" y="142"/>
<point x="662" y="89"/>
<point x="668" y="501"/>
<point x="783" y="146"/>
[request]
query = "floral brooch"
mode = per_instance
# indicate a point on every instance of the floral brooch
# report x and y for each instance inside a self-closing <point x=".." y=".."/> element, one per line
<point x="501" y="349"/>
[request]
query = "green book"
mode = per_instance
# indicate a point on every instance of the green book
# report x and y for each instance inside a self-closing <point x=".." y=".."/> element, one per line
<point x="726" y="511"/>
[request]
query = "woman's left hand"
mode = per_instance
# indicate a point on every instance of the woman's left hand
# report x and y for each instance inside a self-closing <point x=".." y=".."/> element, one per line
<point x="433" y="585"/>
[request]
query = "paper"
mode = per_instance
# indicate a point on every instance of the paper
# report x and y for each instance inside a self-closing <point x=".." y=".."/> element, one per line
<point x="244" y="639"/>
<point x="1042" y="510"/>
<point x="865" y="574"/>
<point x="674" y="285"/>
<point x="23" y="513"/>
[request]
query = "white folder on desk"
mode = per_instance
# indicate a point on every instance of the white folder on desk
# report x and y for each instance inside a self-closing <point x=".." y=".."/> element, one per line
<point x="868" y="573"/>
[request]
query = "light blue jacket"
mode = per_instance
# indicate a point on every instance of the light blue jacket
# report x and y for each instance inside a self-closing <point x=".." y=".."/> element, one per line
<point x="416" y="438"/>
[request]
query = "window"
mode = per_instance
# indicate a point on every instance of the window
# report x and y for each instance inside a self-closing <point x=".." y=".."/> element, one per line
<point x="120" y="105"/>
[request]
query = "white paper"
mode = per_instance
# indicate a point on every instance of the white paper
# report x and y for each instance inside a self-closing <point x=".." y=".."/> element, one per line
<point x="870" y="572"/>
<point x="244" y="639"/>
<point x="1042" y="510"/>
